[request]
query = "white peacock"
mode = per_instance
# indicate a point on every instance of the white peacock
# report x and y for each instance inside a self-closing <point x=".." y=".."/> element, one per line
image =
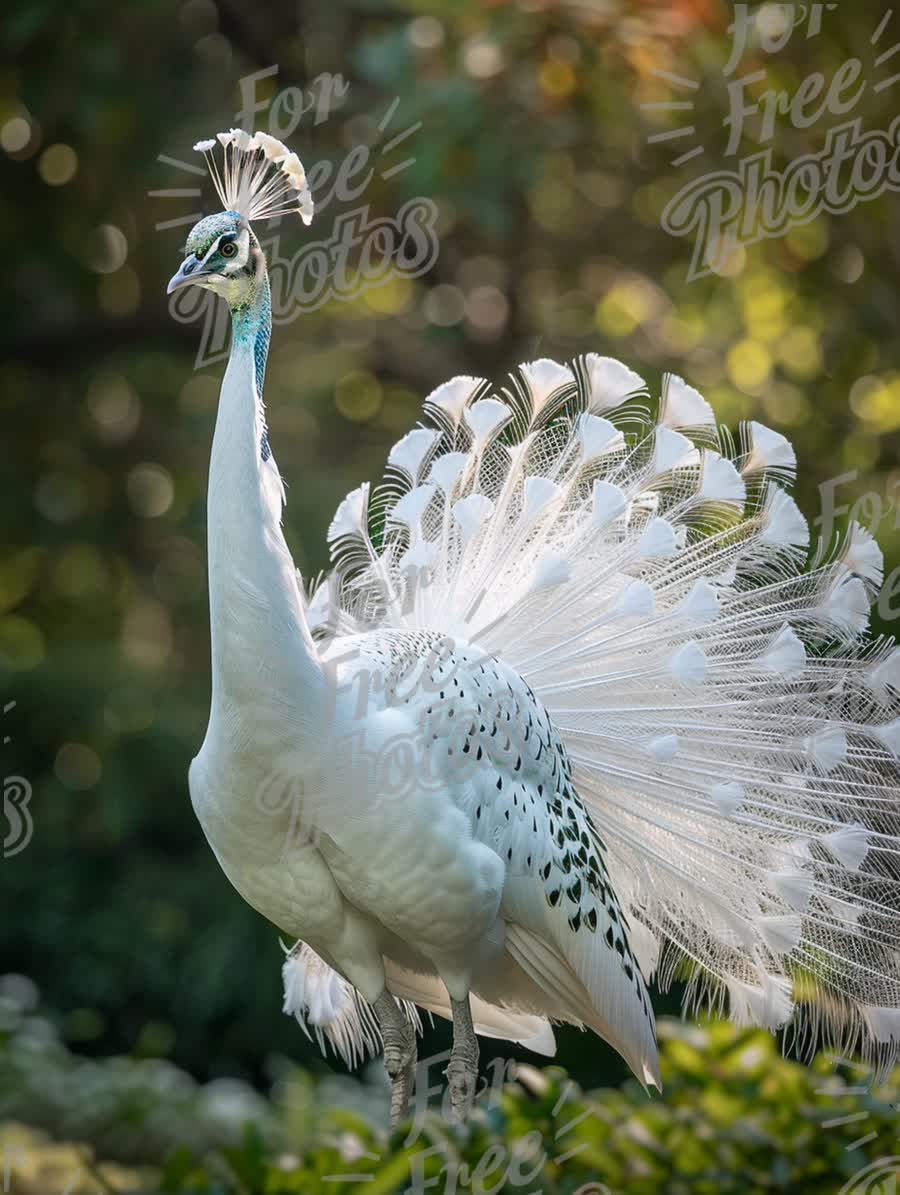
<point x="649" y="742"/>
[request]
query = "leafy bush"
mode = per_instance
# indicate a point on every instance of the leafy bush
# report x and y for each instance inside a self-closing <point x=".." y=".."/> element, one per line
<point x="130" y="1110"/>
<point x="735" y="1118"/>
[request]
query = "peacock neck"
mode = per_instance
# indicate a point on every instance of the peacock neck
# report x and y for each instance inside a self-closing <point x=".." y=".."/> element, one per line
<point x="251" y="324"/>
<point x="262" y="651"/>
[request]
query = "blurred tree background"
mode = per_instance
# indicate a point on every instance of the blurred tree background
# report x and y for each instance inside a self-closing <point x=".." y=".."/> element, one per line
<point x="537" y="134"/>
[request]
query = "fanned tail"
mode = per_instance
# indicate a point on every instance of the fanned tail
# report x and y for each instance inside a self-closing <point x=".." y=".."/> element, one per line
<point x="733" y="730"/>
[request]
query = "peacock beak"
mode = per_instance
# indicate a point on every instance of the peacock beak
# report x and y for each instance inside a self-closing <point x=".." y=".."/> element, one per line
<point x="191" y="270"/>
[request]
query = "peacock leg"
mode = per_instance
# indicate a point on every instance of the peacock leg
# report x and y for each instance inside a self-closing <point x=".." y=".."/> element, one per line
<point x="399" y="1036"/>
<point x="462" y="1071"/>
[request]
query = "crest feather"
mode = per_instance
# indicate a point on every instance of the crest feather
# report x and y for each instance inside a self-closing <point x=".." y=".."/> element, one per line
<point x="260" y="177"/>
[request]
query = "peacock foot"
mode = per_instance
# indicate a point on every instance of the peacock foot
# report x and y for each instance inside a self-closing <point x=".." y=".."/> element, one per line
<point x="400" y="1064"/>
<point x="462" y="1080"/>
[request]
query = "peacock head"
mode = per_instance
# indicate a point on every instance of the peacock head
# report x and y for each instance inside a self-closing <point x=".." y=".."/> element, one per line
<point x="260" y="178"/>
<point x="222" y="255"/>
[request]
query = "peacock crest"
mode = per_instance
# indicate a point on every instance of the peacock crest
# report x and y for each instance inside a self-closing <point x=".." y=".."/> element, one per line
<point x="259" y="177"/>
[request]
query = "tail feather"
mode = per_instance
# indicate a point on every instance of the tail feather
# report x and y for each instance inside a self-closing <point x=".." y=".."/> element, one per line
<point x="734" y="731"/>
<point x="323" y="1002"/>
<point x="568" y="984"/>
<point x="490" y="1020"/>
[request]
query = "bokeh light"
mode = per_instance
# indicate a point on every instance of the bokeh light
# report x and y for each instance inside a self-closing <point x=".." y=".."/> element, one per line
<point x="57" y="165"/>
<point x="15" y="134"/>
<point x="151" y="490"/>
<point x="358" y="396"/>
<point x="78" y="766"/>
<point x="106" y="249"/>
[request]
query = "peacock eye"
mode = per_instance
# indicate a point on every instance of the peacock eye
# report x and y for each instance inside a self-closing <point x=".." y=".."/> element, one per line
<point x="228" y="249"/>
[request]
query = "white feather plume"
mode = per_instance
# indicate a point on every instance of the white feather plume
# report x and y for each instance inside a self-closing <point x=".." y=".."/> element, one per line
<point x="259" y="178"/>
<point x="731" y="730"/>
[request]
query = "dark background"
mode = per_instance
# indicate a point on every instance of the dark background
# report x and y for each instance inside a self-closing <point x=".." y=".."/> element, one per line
<point x="533" y="144"/>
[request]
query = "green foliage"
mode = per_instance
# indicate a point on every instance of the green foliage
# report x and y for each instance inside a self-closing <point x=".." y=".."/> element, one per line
<point x="735" y="1119"/>
<point x="128" y="1109"/>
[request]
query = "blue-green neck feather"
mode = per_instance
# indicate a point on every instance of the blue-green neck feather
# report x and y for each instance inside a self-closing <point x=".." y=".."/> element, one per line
<point x="252" y="321"/>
